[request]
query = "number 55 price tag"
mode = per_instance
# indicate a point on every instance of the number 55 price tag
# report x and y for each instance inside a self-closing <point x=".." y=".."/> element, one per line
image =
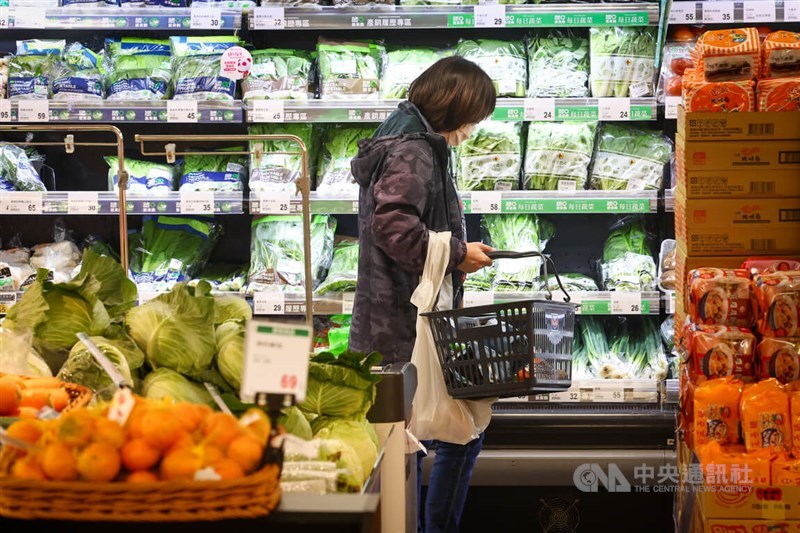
<point x="275" y="359"/>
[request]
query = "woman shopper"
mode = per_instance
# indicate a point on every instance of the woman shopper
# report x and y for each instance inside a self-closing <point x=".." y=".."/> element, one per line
<point x="406" y="190"/>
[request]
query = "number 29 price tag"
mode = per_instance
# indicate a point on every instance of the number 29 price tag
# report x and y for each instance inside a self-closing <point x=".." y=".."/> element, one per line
<point x="275" y="359"/>
<point x="490" y="16"/>
<point x="269" y="303"/>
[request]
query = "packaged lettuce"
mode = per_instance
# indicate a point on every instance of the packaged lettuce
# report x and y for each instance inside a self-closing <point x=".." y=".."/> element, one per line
<point x="30" y="71"/>
<point x="138" y="69"/>
<point x="503" y="61"/>
<point x="279" y="171"/>
<point x="144" y="177"/>
<point x="349" y="69"/>
<point x="195" y="68"/>
<point x="79" y="76"/>
<point x="222" y="277"/>
<point x="16" y="171"/>
<point x="84" y="3"/>
<point x="344" y="269"/>
<point x="278" y="74"/>
<point x="519" y="233"/>
<point x="558" y="65"/>
<point x="490" y="160"/>
<point x="557" y="155"/>
<point x="219" y="172"/>
<point x="629" y="159"/>
<point x="339" y="146"/>
<point x="622" y="61"/>
<point x="404" y="65"/>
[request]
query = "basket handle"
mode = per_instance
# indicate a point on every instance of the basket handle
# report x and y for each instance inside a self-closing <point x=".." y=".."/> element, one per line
<point x="507" y="254"/>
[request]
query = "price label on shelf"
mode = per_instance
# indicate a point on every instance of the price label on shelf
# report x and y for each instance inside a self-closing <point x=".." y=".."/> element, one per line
<point x="759" y="11"/>
<point x="82" y="203"/>
<point x="204" y="18"/>
<point x="197" y="203"/>
<point x="791" y="11"/>
<point x="540" y="109"/>
<point x="269" y="303"/>
<point x="4" y="18"/>
<point x="274" y="203"/>
<point x="626" y="303"/>
<point x="671" y="104"/>
<point x="28" y="17"/>
<point x="718" y="12"/>
<point x="7" y="301"/>
<point x="490" y="16"/>
<point x="33" y="111"/>
<point x="268" y="111"/>
<point x="670" y="297"/>
<point x="21" y="203"/>
<point x="568" y="396"/>
<point x="485" y="202"/>
<point x="478" y="298"/>
<point x="614" y="108"/>
<point x="5" y="110"/>
<point x="269" y="18"/>
<point x="609" y="393"/>
<point x="275" y="359"/>
<point x="348" y="298"/>
<point x="683" y="13"/>
<point x="182" y="111"/>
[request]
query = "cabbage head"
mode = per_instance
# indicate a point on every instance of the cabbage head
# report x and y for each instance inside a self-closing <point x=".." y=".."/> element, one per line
<point x="340" y="386"/>
<point x="359" y="434"/>
<point x="338" y="451"/>
<point x="230" y="352"/>
<point x="295" y="423"/>
<point x="165" y="383"/>
<point x="228" y="308"/>
<point x="82" y="368"/>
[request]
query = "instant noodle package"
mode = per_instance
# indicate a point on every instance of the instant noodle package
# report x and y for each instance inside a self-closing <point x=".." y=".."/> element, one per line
<point x="779" y="359"/>
<point x="720" y="352"/>
<point x="719" y="297"/>
<point x="777" y="303"/>
<point x="716" y="412"/>
<point x="769" y="265"/>
<point x="782" y="94"/>
<point x="786" y="471"/>
<point x="782" y="54"/>
<point x="728" y="55"/>
<point x="701" y="96"/>
<point x="794" y="407"/>
<point x="766" y="421"/>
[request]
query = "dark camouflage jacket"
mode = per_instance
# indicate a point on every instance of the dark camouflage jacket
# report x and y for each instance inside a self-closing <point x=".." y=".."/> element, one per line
<point x="406" y="190"/>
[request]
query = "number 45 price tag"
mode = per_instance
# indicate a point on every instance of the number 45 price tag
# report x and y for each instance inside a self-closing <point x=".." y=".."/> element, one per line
<point x="181" y="111"/>
<point x="275" y="360"/>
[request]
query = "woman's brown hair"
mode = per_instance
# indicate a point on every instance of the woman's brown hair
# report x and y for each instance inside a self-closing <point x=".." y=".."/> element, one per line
<point x="452" y="93"/>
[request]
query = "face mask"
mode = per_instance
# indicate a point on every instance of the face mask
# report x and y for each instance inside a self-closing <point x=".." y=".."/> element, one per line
<point x="460" y="135"/>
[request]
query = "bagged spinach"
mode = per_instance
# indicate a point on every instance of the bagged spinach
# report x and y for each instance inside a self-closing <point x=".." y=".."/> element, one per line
<point x="503" y="61"/>
<point x="349" y="69"/>
<point x="622" y="61"/>
<point x="16" y="171"/>
<point x="344" y="269"/>
<point x="627" y="264"/>
<point x="196" y="66"/>
<point x="558" y="65"/>
<point x="491" y="158"/>
<point x="629" y="159"/>
<point x="518" y="233"/>
<point x="138" y="69"/>
<point x="340" y="145"/>
<point x="218" y="172"/>
<point x="557" y="155"/>
<point x="79" y="76"/>
<point x="404" y="65"/>
<point x="279" y="171"/>
<point x="278" y="74"/>
<point x="144" y="177"/>
<point x="30" y="71"/>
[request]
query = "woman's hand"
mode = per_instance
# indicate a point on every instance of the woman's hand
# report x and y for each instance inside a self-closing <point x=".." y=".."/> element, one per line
<point x="476" y="257"/>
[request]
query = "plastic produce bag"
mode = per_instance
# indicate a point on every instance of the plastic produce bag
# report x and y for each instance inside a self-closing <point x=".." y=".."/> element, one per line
<point x="404" y="65"/>
<point x="16" y="272"/>
<point x="280" y="171"/>
<point x="558" y="65"/>
<point x="223" y="278"/>
<point x="629" y="159"/>
<point x="503" y="61"/>
<point x="278" y="74"/>
<point x="79" y="76"/>
<point x="627" y="264"/>
<point x="519" y="233"/>
<point x="622" y="61"/>
<point x="16" y="170"/>
<point x="344" y="269"/>
<point x="557" y="155"/>
<point x="349" y="69"/>
<point x="340" y="145"/>
<point x="137" y="68"/>
<point x="30" y="71"/>
<point x="17" y="356"/>
<point x="196" y="66"/>
<point x="571" y="282"/>
<point x="144" y="177"/>
<point x="491" y="158"/>
<point x="219" y="172"/>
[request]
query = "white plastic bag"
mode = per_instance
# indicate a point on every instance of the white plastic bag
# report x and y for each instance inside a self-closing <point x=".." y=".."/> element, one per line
<point x="435" y="414"/>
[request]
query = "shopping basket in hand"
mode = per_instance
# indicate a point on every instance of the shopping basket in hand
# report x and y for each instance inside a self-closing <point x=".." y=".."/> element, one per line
<point x="509" y="349"/>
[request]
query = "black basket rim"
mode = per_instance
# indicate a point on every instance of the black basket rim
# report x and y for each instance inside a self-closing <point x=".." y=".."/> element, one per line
<point x="493" y="308"/>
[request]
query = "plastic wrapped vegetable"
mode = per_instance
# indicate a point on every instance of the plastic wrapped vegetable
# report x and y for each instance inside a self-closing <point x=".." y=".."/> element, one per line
<point x="344" y="269"/>
<point x="278" y="74"/>
<point x="622" y="61"/>
<point x="144" y="177"/>
<point x="520" y="233"/>
<point x="558" y="65"/>
<point x="503" y="61"/>
<point x="82" y="368"/>
<point x="19" y="357"/>
<point x="221" y="277"/>
<point x="340" y="145"/>
<point x="214" y="172"/>
<point x="591" y="337"/>
<point x="490" y="160"/>
<point x="572" y="282"/>
<point x="196" y="66"/>
<point x="16" y="170"/>
<point x="279" y="171"/>
<point x="630" y="159"/>
<point x="349" y="69"/>
<point x="637" y="341"/>
<point x="276" y="252"/>
<point x="30" y="72"/>
<point x="79" y="76"/>
<point x="627" y="263"/>
<point x="138" y="69"/>
<point x="481" y="280"/>
<point x="403" y="66"/>
<point x="557" y="155"/>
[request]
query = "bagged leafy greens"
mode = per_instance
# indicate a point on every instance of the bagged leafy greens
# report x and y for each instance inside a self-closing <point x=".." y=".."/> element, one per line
<point x="349" y="69"/>
<point x="82" y="368"/>
<point x="339" y="146"/>
<point x="591" y="337"/>
<point x="404" y="65"/>
<point x="144" y="177"/>
<point x="16" y="171"/>
<point x="196" y="66"/>
<point x="503" y="61"/>
<point x="557" y="155"/>
<point x="79" y="76"/>
<point x="221" y="277"/>
<point x="622" y="61"/>
<point x="627" y="264"/>
<point x="215" y="172"/>
<point x="572" y="282"/>
<point x="137" y="68"/>
<point x="280" y="171"/>
<point x="276" y="252"/>
<point x="481" y="280"/>
<point x="637" y="342"/>
<point x="558" y="65"/>
<point x="629" y="158"/>
<point x="278" y="74"/>
<point x="490" y="160"/>
<point x="344" y="269"/>
<point x="518" y="233"/>
<point x="30" y="71"/>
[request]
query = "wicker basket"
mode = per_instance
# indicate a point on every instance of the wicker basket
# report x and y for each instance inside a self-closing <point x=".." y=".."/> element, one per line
<point x="78" y="394"/>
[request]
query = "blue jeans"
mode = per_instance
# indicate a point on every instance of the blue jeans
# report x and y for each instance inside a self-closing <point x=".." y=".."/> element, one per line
<point x="448" y="484"/>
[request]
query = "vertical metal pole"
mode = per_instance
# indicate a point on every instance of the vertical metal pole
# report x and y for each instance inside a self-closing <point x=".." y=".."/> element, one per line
<point x="305" y="191"/>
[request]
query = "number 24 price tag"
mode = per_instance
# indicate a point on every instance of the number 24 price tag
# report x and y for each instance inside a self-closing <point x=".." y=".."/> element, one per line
<point x="275" y="359"/>
<point x="540" y="109"/>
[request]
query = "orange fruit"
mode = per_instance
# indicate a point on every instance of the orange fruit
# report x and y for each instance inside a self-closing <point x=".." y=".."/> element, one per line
<point x="36" y="398"/>
<point x="9" y="396"/>
<point x="220" y="429"/>
<point x="28" y="413"/>
<point x="99" y="462"/>
<point x="18" y="381"/>
<point x="59" y="399"/>
<point x="181" y="464"/>
<point x="160" y="428"/>
<point x="228" y="469"/>
<point x="41" y="383"/>
<point x="137" y="455"/>
<point x="184" y="441"/>
<point x="210" y="454"/>
<point x="28" y="468"/>
<point x="75" y="428"/>
<point x="257" y="422"/>
<point x="142" y="476"/>
<point x="109" y="432"/>
<point x="58" y="462"/>
<point x="26" y="430"/>
<point x="246" y="451"/>
<point x="189" y="415"/>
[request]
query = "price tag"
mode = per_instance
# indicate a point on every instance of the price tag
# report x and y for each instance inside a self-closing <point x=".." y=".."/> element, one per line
<point x="682" y="13"/>
<point x="614" y="108"/>
<point x="269" y="18"/>
<point x="3" y="18"/>
<point x="486" y="202"/>
<point x="182" y="111"/>
<point x="269" y="303"/>
<point x="568" y="396"/>
<point x="28" y="17"/>
<point x="5" y="110"/>
<point x="33" y="111"/>
<point x="274" y="203"/>
<point x="82" y="203"/>
<point x="478" y="298"/>
<point x="791" y="11"/>
<point x="121" y="406"/>
<point x="759" y="11"/>
<point x="719" y="12"/>
<point x="197" y="203"/>
<point x="7" y="301"/>
<point x="347" y="302"/>
<point x="21" y="203"/>
<point x="204" y="18"/>
<point x="275" y="360"/>
<point x="540" y="109"/>
<point x="626" y="303"/>
<point x="671" y="104"/>
<point x="609" y="393"/>
<point x="490" y="16"/>
<point x="671" y="303"/>
<point x="268" y="111"/>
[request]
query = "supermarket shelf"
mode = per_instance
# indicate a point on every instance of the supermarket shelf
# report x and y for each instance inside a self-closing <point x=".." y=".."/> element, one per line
<point x="114" y="18"/>
<point x="107" y="203"/>
<point x="669" y="302"/>
<point x="108" y="111"/>
<point x="454" y="17"/>
<point x="669" y="200"/>
<point x="508" y="109"/>
<point x="591" y="303"/>
<point x="605" y="391"/>
<point x="749" y="12"/>
<point x="671" y="391"/>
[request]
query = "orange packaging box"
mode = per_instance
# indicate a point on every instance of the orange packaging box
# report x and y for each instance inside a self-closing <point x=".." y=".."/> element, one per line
<point x="738" y="155"/>
<point x="785" y="472"/>
<point x="738" y="183"/>
<point x="728" y="525"/>
<point x="737" y="126"/>
<point x="794" y="406"/>
<point x="750" y="502"/>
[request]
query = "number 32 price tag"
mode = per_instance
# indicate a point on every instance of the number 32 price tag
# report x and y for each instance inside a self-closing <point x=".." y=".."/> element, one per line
<point x="275" y="359"/>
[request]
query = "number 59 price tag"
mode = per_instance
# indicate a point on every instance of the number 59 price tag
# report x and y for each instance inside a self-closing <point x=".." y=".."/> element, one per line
<point x="275" y="360"/>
